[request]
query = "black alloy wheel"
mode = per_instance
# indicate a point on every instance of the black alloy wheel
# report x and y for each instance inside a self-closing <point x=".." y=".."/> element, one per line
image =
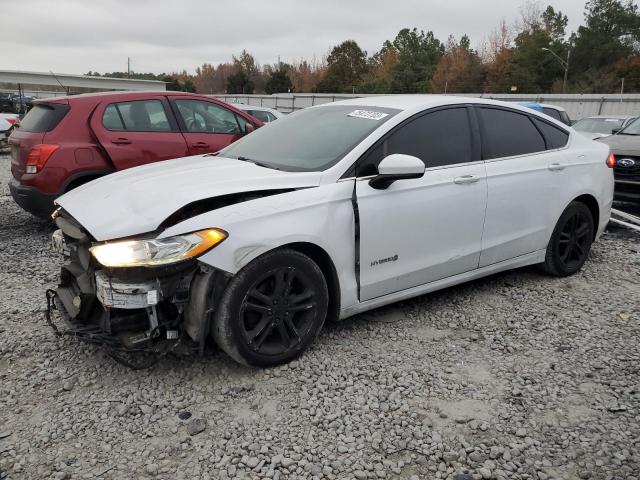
<point x="574" y="240"/>
<point x="278" y="311"/>
<point x="571" y="241"/>
<point x="272" y="310"/>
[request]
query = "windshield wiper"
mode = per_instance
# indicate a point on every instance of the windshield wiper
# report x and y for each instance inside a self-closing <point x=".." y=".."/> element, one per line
<point x="257" y="162"/>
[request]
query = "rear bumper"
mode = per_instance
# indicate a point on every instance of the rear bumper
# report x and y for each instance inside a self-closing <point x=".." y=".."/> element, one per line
<point x="627" y="191"/>
<point x="32" y="200"/>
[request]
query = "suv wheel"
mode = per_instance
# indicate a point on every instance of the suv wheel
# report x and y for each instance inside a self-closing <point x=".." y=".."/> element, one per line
<point x="272" y="310"/>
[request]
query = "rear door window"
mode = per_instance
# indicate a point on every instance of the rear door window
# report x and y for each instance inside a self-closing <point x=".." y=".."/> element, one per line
<point x="136" y="116"/>
<point x="508" y="133"/>
<point x="43" y="117"/>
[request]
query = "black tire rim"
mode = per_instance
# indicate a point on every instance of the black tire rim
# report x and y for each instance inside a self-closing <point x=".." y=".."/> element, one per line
<point x="574" y="240"/>
<point x="278" y="311"/>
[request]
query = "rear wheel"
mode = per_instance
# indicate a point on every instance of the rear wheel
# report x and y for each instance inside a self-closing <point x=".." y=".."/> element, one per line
<point x="272" y="310"/>
<point x="570" y="242"/>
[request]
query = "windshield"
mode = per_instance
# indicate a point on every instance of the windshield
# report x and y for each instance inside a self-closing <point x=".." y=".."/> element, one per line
<point x="598" y="125"/>
<point x="632" y="129"/>
<point x="310" y="140"/>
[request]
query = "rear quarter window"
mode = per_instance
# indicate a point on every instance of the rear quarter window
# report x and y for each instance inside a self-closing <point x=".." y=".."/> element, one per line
<point x="43" y="117"/>
<point x="554" y="136"/>
<point x="553" y="113"/>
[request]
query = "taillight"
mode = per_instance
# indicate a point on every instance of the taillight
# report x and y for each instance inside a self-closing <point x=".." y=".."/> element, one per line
<point x="11" y="120"/>
<point x="611" y="160"/>
<point x="38" y="156"/>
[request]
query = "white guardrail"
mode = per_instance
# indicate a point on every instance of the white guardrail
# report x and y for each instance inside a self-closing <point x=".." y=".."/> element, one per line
<point x="577" y="105"/>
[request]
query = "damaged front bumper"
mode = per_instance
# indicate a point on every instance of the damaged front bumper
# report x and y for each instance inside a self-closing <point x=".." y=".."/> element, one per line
<point x="143" y="309"/>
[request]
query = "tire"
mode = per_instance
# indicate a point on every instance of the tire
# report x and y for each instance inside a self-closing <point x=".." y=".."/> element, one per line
<point x="570" y="241"/>
<point x="272" y="310"/>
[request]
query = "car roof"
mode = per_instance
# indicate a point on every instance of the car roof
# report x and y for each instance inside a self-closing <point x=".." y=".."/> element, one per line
<point x="617" y="117"/>
<point x="423" y="101"/>
<point x="244" y="106"/>
<point x="121" y="95"/>
<point x="555" y="107"/>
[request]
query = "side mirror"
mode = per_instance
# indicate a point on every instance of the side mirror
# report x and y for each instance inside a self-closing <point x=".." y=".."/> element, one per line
<point x="397" y="167"/>
<point x="248" y="128"/>
<point x="615" y="130"/>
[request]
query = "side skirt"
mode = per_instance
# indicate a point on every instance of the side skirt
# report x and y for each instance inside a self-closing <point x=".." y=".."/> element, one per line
<point x="521" y="261"/>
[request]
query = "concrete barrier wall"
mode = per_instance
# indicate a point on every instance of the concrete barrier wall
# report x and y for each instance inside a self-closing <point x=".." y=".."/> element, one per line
<point x="577" y="106"/>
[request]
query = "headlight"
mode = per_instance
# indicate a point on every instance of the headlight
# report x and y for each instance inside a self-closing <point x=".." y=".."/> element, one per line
<point x="145" y="253"/>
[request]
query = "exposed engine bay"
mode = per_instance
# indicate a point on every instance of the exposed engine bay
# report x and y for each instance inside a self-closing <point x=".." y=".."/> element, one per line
<point x="126" y="310"/>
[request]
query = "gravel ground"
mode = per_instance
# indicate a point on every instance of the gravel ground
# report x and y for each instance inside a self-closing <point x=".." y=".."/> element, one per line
<point x="516" y="376"/>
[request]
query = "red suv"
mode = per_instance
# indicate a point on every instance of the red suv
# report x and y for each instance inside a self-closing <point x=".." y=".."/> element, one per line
<point x="65" y="142"/>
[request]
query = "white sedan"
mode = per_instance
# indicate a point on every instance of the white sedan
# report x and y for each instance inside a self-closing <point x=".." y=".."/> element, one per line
<point x="326" y="213"/>
<point x="8" y="122"/>
<point x="264" y="114"/>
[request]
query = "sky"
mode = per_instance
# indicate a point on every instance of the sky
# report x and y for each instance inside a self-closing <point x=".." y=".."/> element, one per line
<point x="75" y="36"/>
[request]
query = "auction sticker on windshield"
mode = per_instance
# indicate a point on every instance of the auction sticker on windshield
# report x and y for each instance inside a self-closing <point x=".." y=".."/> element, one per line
<point x="368" y="114"/>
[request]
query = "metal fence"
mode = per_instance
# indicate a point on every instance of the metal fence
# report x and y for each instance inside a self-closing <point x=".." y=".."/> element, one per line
<point x="576" y="105"/>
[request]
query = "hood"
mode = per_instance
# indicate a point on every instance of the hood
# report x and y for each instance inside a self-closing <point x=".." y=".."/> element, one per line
<point x="623" y="144"/>
<point x="593" y="135"/>
<point x="137" y="200"/>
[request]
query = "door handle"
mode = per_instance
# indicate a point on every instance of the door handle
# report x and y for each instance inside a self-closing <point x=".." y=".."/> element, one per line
<point x="200" y="145"/>
<point x="466" y="179"/>
<point x="556" y="167"/>
<point x="121" y="141"/>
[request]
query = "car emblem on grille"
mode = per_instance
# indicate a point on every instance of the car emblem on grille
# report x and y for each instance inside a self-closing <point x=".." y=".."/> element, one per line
<point x="626" y="162"/>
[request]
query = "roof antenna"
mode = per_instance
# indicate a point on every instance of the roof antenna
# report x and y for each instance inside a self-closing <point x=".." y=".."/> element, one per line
<point x="59" y="82"/>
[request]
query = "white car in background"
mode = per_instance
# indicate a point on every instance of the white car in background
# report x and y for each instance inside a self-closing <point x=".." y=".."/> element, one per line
<point x="331" y="211"/>
<point x="8" y="122"/>
<point x="602" y="125"/>
<point x="264" y="114"/>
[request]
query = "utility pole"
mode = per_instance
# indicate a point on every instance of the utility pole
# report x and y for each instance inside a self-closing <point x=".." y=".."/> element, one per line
<point x="622" y="87"/>
<point x="564" y="63"/>
<point x="128" y="67"/>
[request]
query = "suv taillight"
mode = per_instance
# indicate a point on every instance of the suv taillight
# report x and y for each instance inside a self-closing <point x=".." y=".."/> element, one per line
<point x="11" y="120"/>
<point x="611" y="160"/>
<point x="38" y="156"/>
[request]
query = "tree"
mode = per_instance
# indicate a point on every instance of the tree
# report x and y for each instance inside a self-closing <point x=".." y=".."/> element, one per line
<point x="380" y="70"/>
<point x="418" y="54"/>
<point x="247" y="63"/>
<point x="459" y="69"/>
<point x="497" y="58"/>
<point x="239" y="83"/>
<point x="279" y="81"/>
<point x="610" y="34"/>
<point x="554" y="23"/>
<point x="534" y="68"/>
<point x="306" y="75"/>
<point x="347" y="63"/>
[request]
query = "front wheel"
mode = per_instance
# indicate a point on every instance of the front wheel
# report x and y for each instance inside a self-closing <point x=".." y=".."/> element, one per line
<point x="272" y="310"/>
<point x="570" y="242"/>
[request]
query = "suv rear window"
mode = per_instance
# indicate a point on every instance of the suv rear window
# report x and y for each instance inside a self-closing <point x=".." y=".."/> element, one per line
<point x="43" y="117"/>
